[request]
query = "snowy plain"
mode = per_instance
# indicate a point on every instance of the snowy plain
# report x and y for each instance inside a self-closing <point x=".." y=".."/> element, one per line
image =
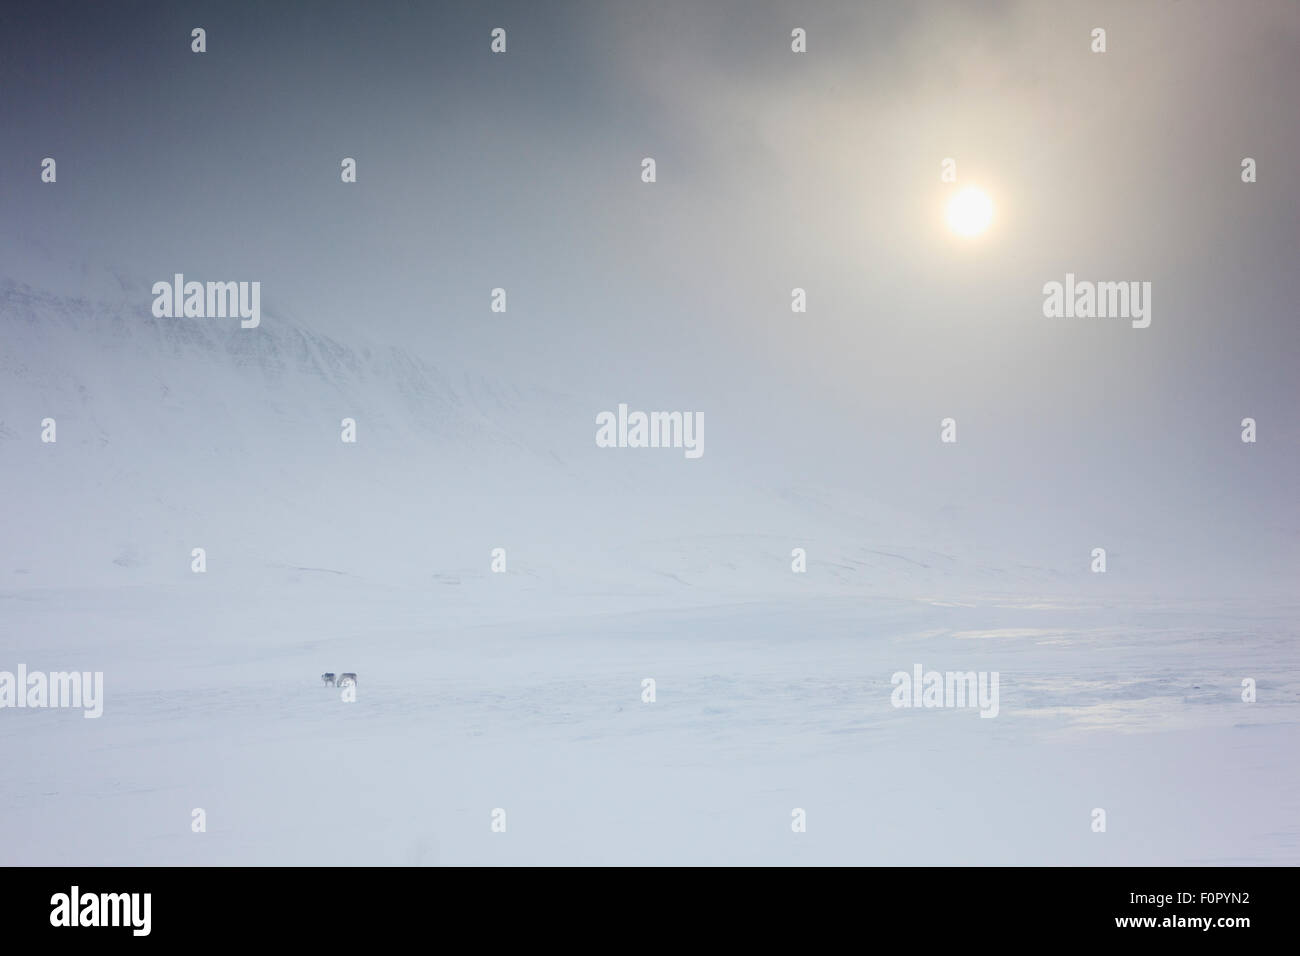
<point x="212" y="702"/>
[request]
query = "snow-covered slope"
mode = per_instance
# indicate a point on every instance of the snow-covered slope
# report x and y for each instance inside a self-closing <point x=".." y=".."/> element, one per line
<point x="182" y="433"/>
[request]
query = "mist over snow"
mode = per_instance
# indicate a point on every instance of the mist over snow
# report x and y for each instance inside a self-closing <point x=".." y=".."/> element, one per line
<point x="639" y="655"/>
<point x="182" y="433"/>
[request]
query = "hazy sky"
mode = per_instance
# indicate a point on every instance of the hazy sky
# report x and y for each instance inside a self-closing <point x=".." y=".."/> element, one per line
<point x="775" y="170"/>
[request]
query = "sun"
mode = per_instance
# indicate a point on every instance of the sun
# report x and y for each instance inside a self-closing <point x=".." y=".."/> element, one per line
<point x="970" y="212"/>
